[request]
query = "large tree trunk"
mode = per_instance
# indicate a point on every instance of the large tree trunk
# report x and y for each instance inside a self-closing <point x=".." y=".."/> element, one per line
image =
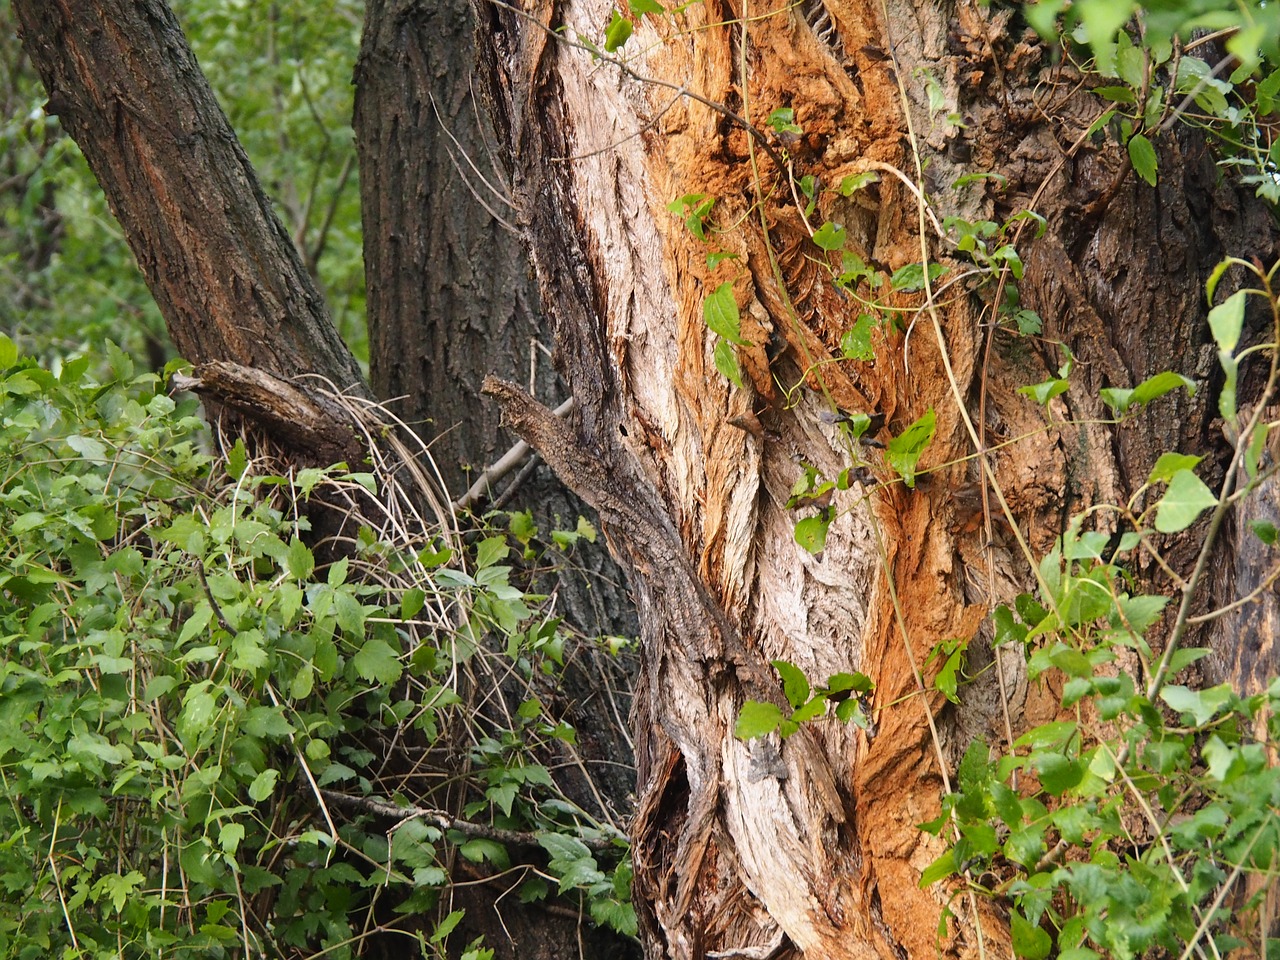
<point x="820" y="853"/>
<point x="451" y="299"/>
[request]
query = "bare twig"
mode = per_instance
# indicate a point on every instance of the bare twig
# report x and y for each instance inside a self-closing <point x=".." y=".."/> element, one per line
<point x="504" y="465"/>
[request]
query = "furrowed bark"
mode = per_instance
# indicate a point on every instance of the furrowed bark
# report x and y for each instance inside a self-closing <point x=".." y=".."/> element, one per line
<point x="231" y="286"/>
<point x="811" y="846"/>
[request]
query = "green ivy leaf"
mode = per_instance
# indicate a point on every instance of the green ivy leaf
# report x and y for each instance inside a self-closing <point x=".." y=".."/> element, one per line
<point x="903" y="452"/>
<point x="641" y="7"/>
<point x="794" y="683"/>
<point x="1186" y="498"/>
<point x="1226" y="320"/>
<point x="811" y="533"/>
<point x="857" y="181"/>
<point x="830" y="236"/>
<point x="855" y="344"/>
<point x="1169" y="464"/>
<point x="726" y="361"/>
<point x="1042" y="393"/>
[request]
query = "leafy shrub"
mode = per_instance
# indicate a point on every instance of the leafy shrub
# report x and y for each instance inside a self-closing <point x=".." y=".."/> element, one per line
<point x="215" y="743"/>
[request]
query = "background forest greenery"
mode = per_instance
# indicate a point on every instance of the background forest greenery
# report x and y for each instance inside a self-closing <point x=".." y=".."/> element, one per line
<point x="192" y="693"/>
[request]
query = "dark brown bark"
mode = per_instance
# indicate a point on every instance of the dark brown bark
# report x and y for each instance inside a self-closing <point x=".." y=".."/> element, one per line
<point x="123" y="82"/>
<point x="451" y="300"/>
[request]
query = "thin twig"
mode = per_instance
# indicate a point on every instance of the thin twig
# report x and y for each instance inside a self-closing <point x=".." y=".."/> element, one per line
<point x="504" y="465"/>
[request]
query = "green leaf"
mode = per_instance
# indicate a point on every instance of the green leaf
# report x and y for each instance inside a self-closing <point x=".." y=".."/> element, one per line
<point x="902" y="453"/>
<point x="445" y="927"/>
<point x="726" y="361"/>
<point x="941" y="868"/>
<point x="1042" y="393"/>
<point x="1057" y="773"/>
<point x="910" y="278"/>
<point x="1169" y="464"/>
<point x="811" y="532"/>
<point x="757" y="719"/>
<point x="299" y="560"/>
<point x="237" y="460"/>
<point x="1186" y="498"/>
<point x="617" y="33"/>
<point x="720" y="311"/>
<point x="1120" y="400"/>
<point x="855" y="344"/>
<point x="641" y="7"/>
<point x="857" y="181"/>
<point x="264" y="784"/>
<point x="1264" y="530"/>
<point x="1143" y="155"/>
<point x="8" y="352"/>
<point x="1029" y="941"/>
<point x="783" y="120"/>
<point x="794" y="683"/>
<point x="830" y="236"/>
<point x="377" y="662"/>
<point x="1226" y="320"/>
<point x="1202" y="705"/>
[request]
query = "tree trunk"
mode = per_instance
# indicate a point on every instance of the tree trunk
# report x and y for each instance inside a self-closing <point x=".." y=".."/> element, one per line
<point x="451" y="300"/>
<point x="811" y="846"/>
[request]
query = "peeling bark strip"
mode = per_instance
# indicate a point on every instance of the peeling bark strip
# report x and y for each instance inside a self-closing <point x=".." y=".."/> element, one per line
<point x="224" y="272"/>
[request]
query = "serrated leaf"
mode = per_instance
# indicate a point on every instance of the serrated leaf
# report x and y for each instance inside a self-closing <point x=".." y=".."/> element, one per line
<point x="376" y="661"/>
<point x="941" y="868"/>
<point x="1143" y="156"/>
<point x="726" y="361"/>
<point x="264" y="784"/>
<point x="1029" y="941"/>
<point x="299" y="560"/>
<point x="1186" y="498"/>
<point x="757" y="719"/>
<point x="902" y="453"/>
<point x="720" y="311"/>
<point x="445" y="927"/>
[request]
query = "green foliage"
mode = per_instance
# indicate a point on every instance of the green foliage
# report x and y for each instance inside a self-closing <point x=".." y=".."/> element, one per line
<point x="202" y="713"/>
<point x="846" y="693"/>
<point x="1140" y="822"/>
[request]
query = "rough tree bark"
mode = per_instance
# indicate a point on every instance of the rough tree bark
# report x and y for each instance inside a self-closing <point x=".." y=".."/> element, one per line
<point x="818" y="855"/>
<point x="451" y="299"/>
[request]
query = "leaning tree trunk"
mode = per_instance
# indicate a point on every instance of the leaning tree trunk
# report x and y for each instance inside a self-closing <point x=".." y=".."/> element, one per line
<point x="812" y="846"/>
<point x="228" y="280"/>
